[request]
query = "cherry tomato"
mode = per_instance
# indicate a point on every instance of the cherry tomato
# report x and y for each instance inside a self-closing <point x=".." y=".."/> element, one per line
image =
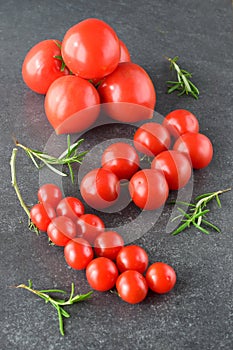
<point x="197" y="146"/>
<point x="71" y="104"/>
<point x="101" y="274"/>
<point x="100" y="188"/>
<point x="71" y="207"/>
<point x="160" y="277"/>
<point x="41" y="216"/>
<point x="175" y="166"/>
<point x="132" y="287"/>
<point x="91" y="49"/>
<point x="124" y="52"/>
<point x="61" y="230"/>
<point x="89" y="226"/>
<point x="40" y="67"/>
<point x="50" y="193"/>
<point x="78" y="253"/>
<point x="151" y="139"/>
<point x="148" y="189"/>
<point x="108" y="244"/>
<point x="180" y="121"/>
<point x="129" y="83"/>
<point x="121" y="159"/>
<point x="132" y="257"/>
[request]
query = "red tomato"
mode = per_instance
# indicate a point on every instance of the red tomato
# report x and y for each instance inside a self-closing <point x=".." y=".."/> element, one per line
<point x="71" y="207"/>
<point x="108" y="244"/>
<point x="129" y="83"/>
<point x="101" y="274"/>
<point x="91" y="49"/>
<point x="71" y="104"/>
<point x="197" y="146"/>
<point x="124" y="52"/>
<point x="50" y="193"/>
<point x="89" y="226"/>
<point x="148" y="189"/>
<point x="100" y="188"/>
<point x="175" y="166"/>
<point x="40" y="67"/>
<point x="78" y="253"/>
<point x="160" y="277"/>
<point x="180" y="121"/>
<point x="121" y="159"/>
<point x="132" y="287"/>
<point x="41" y="216"/>
<point x="132" y="257"/>
<point x="151" y="139"/>
<point x="61" y="230"/>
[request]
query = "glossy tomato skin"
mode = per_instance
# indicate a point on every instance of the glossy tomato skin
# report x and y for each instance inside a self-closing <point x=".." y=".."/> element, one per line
<point x="108" y="244"/>
<point x="49" y="193"/>
<point x="91" y="49"/>
<point x="89" y="226"/>
<point x="121" y="159"/>
<point x="124" y="53"/>
<point x="151" y="139"/>
<point x="197" y="147"/>
<point x="78" y="253"/>
<point x="100" y="188"/>
<point x="40" y="67"/>
<point x="61" y="230"/>
<point x="41" y="216"/>
<point x="161" y="277"/>
<point x="148" y="189"/>
<point x="130" y="84"/>
<point x="132" y="286"/>
<point x="180" y="121"/>
<point x="101" y="274"/>
<point x="71" y="207"/>
<point x="175" y="166"/>
<point x="132" y="257"/>
<point x="71" y="104"/>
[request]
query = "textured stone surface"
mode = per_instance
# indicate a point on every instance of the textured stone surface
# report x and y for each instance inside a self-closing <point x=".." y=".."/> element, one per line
<point x="197" y="314"/>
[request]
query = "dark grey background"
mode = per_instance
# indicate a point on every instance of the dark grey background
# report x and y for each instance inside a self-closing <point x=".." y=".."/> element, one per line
<point x="197" y="314"/>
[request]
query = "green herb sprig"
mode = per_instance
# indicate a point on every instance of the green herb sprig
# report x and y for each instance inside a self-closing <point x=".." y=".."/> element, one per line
<point x="197" y="212"/>
<point x="68" y="157"/>
<point x="14" y="183"/>
<point x="60" y="58"/>
<point x="183" y="83"/>
<point x="57" y="303"/>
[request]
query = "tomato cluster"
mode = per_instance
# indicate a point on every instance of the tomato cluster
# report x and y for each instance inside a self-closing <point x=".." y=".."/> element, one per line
<point x="89" y="67"/>
<point x="176" y="147"/>
<point x="88" y="245"/>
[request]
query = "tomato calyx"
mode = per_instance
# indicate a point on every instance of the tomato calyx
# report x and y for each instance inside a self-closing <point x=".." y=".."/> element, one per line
<point x="60" y="58"/>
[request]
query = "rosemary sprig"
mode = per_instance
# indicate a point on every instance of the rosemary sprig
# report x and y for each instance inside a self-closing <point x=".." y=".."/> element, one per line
<point x="58" y="304"/>
<point x="183" y="83"/>
<point x="31" y="226"/>
<point x="197" y="212"/>
<point x="68" y="157"/>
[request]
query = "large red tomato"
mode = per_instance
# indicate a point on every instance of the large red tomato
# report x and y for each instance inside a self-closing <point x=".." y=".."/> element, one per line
<point x="100" y="188"/>
<point x="41" y="67"/>
<point x="148" y="189"/>
<point x="91" y="49"/>
<point x="71" y="104"/>
<point x="198" y="148"/>
<point x="131" y="90"/>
